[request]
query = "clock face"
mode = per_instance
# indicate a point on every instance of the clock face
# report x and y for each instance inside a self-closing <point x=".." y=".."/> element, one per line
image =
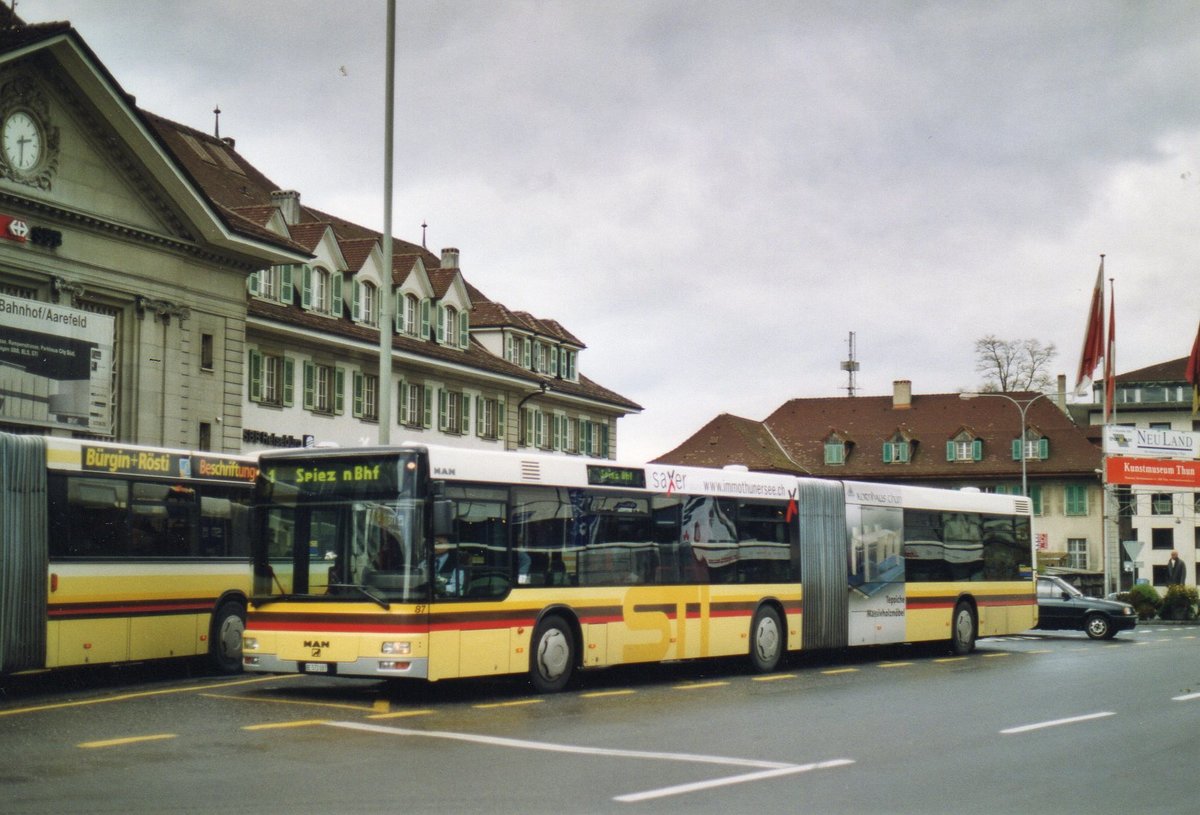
<point x="21" y="139"/>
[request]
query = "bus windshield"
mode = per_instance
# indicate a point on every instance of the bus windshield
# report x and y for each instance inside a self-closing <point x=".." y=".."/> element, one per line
<point x="329" y="528"/>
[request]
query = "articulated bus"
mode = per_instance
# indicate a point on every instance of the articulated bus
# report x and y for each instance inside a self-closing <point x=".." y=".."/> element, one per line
<point x="117" y="553"/>
<point x="416" y="561"/>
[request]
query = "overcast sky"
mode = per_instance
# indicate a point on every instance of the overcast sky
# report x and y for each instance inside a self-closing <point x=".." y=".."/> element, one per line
<point x="713" y="195"/>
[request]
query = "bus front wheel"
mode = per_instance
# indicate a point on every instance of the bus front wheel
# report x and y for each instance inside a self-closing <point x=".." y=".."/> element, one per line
<point x="225" y="637"/>
<point x="552" y="657"/>
<point x="766" y="640"/>
<point x="962" y="630"/>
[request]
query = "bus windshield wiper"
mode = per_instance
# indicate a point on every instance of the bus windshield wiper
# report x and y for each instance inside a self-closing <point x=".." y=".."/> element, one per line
<point x="365" y="592"/>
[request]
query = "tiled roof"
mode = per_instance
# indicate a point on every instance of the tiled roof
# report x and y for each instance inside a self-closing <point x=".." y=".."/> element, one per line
<point x="308" y="234"/>
<point x="730" y="439"/>
<point x="1173" y="371"/>
<point x="802" y="427"/>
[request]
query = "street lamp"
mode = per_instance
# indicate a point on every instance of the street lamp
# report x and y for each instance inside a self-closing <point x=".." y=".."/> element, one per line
<point x="1022" y="406"/>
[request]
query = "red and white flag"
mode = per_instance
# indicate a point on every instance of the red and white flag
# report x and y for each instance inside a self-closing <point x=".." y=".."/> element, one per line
<point x="1193" y="373"/>
<point x="1110" y="358"/>
<point x="1093" y="338"/>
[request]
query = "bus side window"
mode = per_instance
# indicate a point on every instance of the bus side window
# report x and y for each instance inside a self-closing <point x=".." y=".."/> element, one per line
<point x="93" y="522"/>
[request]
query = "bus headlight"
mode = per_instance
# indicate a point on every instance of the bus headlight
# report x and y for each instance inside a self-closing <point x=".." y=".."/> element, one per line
<point x="396" y="648"/>
<point x="249" y="643"/>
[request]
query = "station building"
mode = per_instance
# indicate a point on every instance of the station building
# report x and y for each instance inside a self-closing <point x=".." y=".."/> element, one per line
<point x="156" y="288"/>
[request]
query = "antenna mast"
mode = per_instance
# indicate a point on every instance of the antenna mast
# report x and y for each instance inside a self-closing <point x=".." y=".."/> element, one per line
<point x="850" y="366"/>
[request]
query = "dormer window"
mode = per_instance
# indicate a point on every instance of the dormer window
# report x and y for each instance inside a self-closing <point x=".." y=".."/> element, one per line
<point x="897" y="450"/>
<point x="410" y="315"/>
<point x="964" y="447"/>
<point x="321" y="291"/>
<point x="274" y="284"/>
<point x="837" y="448"/>
<point x="1037" y="446"/>
<point x="453" y="327"/>
<point x="366" y="303"/>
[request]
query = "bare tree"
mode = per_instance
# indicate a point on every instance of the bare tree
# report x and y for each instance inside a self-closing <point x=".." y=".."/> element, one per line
<point x="1014" y="365"/>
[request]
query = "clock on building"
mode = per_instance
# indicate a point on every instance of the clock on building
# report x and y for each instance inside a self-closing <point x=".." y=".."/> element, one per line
<point x="22" y="141"/>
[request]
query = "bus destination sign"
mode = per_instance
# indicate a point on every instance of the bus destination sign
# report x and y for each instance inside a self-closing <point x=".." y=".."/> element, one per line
<point x="603" y="476"/>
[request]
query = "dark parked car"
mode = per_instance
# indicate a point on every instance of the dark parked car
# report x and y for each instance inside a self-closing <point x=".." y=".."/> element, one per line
<point x="1062" y="606"/>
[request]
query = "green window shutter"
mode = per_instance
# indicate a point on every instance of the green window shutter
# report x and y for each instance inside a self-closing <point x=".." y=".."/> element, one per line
<point x="501" y="422"/>
<point x="553" y="362"/>
<point x="425" y="318"/>
<point x="479" y="428"/>
<point x="556" y="432"/>
<point x="508" y="347"/>
<point x="1035" y="496"/>
<point x="356" y="302"/>
<point x="527" y="353"/>
<point x="443" y="419"/>
<point x="287" y="291"/>
<point x="604" y="440"/>
<point x="253" y="282"/>
<point x="977" y="450"/>
<point x="339" y="390"/>
<point x="441" y="323"/>
<point x="904" y="449"/>
<point x="335" y="282"/>
<point x="427" y="418"/>
<point x="289" y="381"/>
<point x="464" y="425"/>
<point x="255" y="376"/>
<point x="310" y="374"/>
<point x="1017" y="451"/>
<point x="951" y="449"/>
<point x="306" y="274"/>
<point x="464" y="330"/>
<point x="889" y="454"/>
<point x="358" y="394"/>
<point x="1043" y="448"/>
<point x="402" y="413"/>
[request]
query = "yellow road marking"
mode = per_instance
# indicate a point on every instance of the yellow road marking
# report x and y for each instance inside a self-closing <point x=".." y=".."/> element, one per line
<point x="400" y="714"/>
<point x="88" y="745"/>
<point x="701" y="686"/>
<point x="382" y="705"/>
<point x="944" y="660"/>
<point x="124" y="697"/>
<point x="894" y="664"/>
<point x="599" y="694"/>
<point x="774" y="677"/>
<point x="836" y="671"/>
<point x="518" y="703"/>
<point x="995" y="654"/>
<point x="281" y="725"/>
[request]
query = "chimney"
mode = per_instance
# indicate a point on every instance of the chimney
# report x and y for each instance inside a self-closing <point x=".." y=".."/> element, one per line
<point x="1062" y="393"/>
<point x="288" y="202"/>
<point x="902" y="394"/>
<point x="449" y="258"/>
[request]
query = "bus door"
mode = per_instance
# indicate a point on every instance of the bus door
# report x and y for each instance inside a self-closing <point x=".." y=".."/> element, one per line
<point x="23" y="552"/>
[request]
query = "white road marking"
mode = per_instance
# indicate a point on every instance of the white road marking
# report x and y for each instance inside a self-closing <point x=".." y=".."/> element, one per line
<point x="1187" y="697"/>
<point x="1056" y="722"/>
<point x="766" y="769"/>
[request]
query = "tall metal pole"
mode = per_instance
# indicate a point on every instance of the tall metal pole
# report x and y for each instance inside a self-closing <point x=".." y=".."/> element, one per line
<point x="386" y="300"/>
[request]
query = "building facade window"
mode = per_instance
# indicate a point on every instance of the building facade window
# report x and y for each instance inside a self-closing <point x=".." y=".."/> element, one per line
<point x="324" y="388"/>
<point x="366" y="303"/>
<point x="964" y="447"/>
<point x="366" y="396"/>
<point x="489" y="417"/>
<point x="206" y="352"/>
<point x="321" y="291"/>
<point x="454" y="412"/>
<point x="1162" y="538"/>
<point x="1077" y="549"/>
<point x="416" y="405"/>
<point x="271" y="379"/>
<point x="1036" y="449"/>
<point x="896" y="451"/>
<point x="1162" y="503"/>
<point x="1075" y="500"/>
<point x="411" y="321"/>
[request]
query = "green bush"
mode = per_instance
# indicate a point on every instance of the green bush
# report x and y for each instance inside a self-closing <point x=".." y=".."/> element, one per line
<point x="1145" y="601"/>
<point x="1180" y="603"/>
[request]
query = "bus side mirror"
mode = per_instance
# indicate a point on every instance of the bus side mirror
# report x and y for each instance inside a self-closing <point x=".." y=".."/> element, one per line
<point x="443" y="517"/>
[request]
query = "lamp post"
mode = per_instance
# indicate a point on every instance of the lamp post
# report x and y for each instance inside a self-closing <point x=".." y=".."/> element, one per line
<point x="1022" y="406"/>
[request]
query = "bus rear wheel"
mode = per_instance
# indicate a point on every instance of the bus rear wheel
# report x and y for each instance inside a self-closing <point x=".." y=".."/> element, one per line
<point x="225" y="637"/>
<point x="552" y="657"/>
<point x="766" y="640"/>
<point x="962" y="630"/>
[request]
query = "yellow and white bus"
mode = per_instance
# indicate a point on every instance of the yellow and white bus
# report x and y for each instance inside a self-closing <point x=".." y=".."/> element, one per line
<point x="116" y="553"/>
<point x="433" y="563"/>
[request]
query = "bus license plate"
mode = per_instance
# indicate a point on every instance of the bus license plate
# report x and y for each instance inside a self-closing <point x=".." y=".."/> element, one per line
<point x="315" y="668"/>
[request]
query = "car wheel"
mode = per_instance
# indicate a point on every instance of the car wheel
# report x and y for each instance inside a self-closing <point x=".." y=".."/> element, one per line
<point x="1098" y="627"/>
